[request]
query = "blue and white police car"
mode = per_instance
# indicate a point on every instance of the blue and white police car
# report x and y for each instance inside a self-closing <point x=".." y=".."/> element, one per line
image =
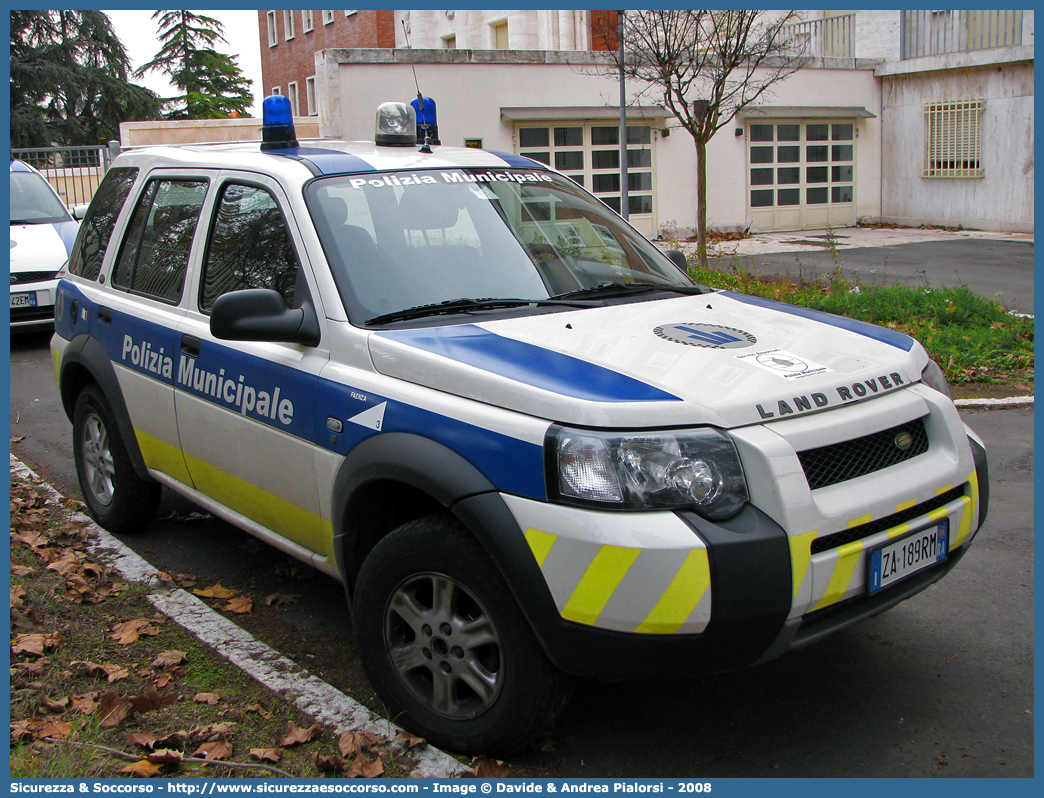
<point x="42" y="235"/>
<point x="526" y="442"/>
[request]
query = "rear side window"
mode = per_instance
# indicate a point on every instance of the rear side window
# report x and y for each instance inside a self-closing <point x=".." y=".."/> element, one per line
<point x="96" y="228"/>
<point x="249" y="247"/>
<point x="155" y="252"/>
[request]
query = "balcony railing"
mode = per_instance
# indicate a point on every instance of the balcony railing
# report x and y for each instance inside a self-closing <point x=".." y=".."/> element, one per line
<point x="831" y="37"/>
<point x="939" y="32"/>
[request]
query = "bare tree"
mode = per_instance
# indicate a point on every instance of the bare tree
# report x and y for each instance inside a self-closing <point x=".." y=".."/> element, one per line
<point x="705" y="67"/>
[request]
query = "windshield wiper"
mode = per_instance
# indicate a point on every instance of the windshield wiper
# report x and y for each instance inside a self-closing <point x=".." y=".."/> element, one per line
<point x="465" y="304"/>
<point x="626" y="289"/>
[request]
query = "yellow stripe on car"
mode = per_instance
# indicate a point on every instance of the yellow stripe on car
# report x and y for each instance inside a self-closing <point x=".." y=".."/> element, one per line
<point x="540" y="543"/>
<point x="598" y="583"/>
<point x="681" y="598"/>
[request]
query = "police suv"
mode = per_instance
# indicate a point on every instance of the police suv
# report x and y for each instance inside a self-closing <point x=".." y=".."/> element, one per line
<point x="525" y="441"/>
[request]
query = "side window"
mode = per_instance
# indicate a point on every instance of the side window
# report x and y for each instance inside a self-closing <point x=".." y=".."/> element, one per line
<point x="155" y="252"/>
<point x="249" y="247"/>
<point x="96" y="229"/>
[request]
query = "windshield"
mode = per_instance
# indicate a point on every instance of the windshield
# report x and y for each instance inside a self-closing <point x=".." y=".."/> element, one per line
<point x="414" y="238"/>
<point x="33" y="201"/>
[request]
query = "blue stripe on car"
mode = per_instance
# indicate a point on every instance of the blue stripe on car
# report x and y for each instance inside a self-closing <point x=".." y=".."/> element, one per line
<point x="529" y="364"/>
<point x="329" y="162"/>
<point x="18" y="166"/>
<point x="518" y="161"/>
<point x="221" y="373"/>
<point x="882" y="334"/>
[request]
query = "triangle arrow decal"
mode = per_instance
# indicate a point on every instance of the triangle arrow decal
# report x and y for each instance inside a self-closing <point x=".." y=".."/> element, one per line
<point x="372" y="418"/>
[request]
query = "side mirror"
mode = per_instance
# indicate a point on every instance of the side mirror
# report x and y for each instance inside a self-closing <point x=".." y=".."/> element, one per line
<point x="678" y="259"/>
<point x="260" y="314"/>
<point x="79" y="210"/>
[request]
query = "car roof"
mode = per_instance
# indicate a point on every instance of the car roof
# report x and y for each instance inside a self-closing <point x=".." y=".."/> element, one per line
<point x="323" y="157"/>
<point x="21" y="166"/>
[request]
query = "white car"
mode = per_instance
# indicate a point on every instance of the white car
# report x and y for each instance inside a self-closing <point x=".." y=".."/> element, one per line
<point x="42" y="236"/>
<point x="524" y="440"/>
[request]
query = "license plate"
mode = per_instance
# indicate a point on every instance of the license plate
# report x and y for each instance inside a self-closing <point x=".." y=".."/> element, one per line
<point x="900" y="558"/>
<point x="24" y="300"/>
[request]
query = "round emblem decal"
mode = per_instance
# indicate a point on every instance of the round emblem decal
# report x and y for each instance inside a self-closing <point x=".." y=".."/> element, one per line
<point x="903" y="441"/>
<point x="708" y="336"/>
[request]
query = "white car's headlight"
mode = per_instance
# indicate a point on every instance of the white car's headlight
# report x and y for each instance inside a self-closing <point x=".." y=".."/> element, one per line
<point x="696" y="469"/>
<point x="933" y="377"/>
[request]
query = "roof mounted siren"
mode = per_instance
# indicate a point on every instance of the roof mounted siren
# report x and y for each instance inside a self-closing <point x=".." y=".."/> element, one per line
<point x="427" y="120"/>
<point x="277" y="124"/>
<point x="396" y="126"/>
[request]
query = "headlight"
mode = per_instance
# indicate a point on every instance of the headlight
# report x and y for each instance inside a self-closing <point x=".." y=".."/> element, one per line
<point x="679" y="469"/>
<point x="933" y="377"/>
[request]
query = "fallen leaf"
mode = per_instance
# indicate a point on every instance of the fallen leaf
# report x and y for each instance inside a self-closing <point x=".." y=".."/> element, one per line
<point x="144" y="739"/>
<point x="296" y="736"/>
<point x="351" y="743"/>
<point x="21" y="570"/>
<point x="143" y="768"/>
<point x="151" y="699"/>
<point x="219" y="749"/>
<point x="34" y="668"/>
<point x="85" y="704"/>
<point x="165" y="756"/>
<point x="112" y="673"/>
<point x="260" y="710"/>
<point x="168" y="659"/>
<point x="206" y="698"/>
<point x="57" y="730"/>
<point x="71" y="503"/>
<point x="409" y="740"/>
<point x="272" y="755"/>
<point x="215" y="591"/>
<point x="365" y="768"/>
<point x="112" y="709"/>
<point x="34" y="644"/>
<point x="329" y="764"/>
<point x="240" y="604"/>
<point x="17" y="591"/>
<point x="56" y="706"/>
<point x="277" y="599"/>
<point x="211" y="732"/>
<point x="483" y="768"/>
<point x="128" y="632"/>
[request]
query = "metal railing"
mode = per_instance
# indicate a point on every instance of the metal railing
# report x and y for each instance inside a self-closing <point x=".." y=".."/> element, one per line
<point x="830" y="37"/>
<point x="924" y="33"/>
<point x="75" y="172"/>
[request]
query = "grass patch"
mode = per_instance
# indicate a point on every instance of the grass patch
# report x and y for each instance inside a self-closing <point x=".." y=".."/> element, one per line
<point x="973" y="339"/>
<point x="103" y="686"/>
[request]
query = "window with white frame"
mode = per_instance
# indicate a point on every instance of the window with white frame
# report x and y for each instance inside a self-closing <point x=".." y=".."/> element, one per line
<point x="310" y="96"/>
<point x="349" y="13"/>
<point x="292" y="94"/>
<point x="953" y="139"/>
<point x="328" y="17"/>
<point x="273" y="35"/>
<point x="500" y="35"/>
<point x="288" y="25"/>
<point x="276" y="90"/>
<point x="308" y="23"/>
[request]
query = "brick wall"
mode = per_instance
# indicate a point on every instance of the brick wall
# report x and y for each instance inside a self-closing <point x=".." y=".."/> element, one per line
<point x="294" y="60"/>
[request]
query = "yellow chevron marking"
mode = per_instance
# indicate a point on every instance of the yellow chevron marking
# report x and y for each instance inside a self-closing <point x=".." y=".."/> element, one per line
<point x="800" y="557"/>
<point x="863" y="519"/>
<point x="896" y="531"/>
<point x="293" y="522"/>
<point x="847" y="557"/>
<point x="598" y="583"/>
<point x="56" y="356"/>
<point x="161" y="456"/>
<point x="943" y="490"/>
<point x="971" y="510"/>
<point x="540" y="544"/>
<point x="681" y="597"/>
<point x="905" y="505"/>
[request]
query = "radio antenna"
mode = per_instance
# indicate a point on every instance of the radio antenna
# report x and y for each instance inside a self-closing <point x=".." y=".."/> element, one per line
<point x="420" y="97"/>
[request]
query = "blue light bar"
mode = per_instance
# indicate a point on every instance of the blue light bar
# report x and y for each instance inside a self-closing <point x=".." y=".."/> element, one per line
<point x="277" y="124"/>
<point x="427" y="120"/>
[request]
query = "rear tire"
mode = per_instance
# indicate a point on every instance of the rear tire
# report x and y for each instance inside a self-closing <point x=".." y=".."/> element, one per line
<point x="116" y="497"/>
<point x="446" y="646"/>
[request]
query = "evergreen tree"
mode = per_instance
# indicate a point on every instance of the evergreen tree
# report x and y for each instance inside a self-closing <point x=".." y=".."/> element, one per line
<point x="211" y="83"/>
<point x="70" y="80"/>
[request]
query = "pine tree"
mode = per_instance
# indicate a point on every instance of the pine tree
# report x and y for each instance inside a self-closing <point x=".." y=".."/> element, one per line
<point x="69" y="80"/>
<point x="211" y="83"/>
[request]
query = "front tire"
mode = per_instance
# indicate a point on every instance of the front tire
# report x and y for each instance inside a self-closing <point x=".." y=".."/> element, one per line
<point x="446" y="646"/>
<point x="116" y="497"/>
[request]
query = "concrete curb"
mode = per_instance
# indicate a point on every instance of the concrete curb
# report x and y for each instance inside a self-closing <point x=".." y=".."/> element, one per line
<point x="308" y="693"/>
<point x="995" y="404"/>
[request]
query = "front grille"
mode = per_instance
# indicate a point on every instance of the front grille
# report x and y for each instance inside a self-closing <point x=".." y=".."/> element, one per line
<point x="873" y="527"/>
<point x="829" y="465"/>
<point x="17" y="278"/>
<point x="26" y="315"/>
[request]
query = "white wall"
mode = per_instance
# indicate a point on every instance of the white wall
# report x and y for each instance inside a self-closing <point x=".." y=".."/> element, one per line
<point x="1003" y="199"/>
<point x="527" y="30"/>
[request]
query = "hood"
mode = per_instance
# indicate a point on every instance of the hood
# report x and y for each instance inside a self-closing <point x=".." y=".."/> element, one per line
<point x="720" y="358"/>
<point x="41" y="247"/>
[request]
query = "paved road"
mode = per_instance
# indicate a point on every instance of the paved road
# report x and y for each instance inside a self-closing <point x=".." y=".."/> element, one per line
<point x="988" y="267"/>
<point x="940" y="685"/>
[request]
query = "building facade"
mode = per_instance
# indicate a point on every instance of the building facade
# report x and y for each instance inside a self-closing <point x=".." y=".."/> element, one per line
<point x="916" y="117"/>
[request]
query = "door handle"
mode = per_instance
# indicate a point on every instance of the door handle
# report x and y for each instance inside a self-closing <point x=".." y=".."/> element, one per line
<point x="105" y="315"/>
<point x="190" y="345"/>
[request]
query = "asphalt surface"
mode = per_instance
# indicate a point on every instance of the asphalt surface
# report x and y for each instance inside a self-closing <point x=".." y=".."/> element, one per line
<point x="990" y="268"/>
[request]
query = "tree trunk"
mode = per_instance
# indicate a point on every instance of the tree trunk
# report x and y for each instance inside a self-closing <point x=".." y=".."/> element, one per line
<point x="701" y="202"/>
